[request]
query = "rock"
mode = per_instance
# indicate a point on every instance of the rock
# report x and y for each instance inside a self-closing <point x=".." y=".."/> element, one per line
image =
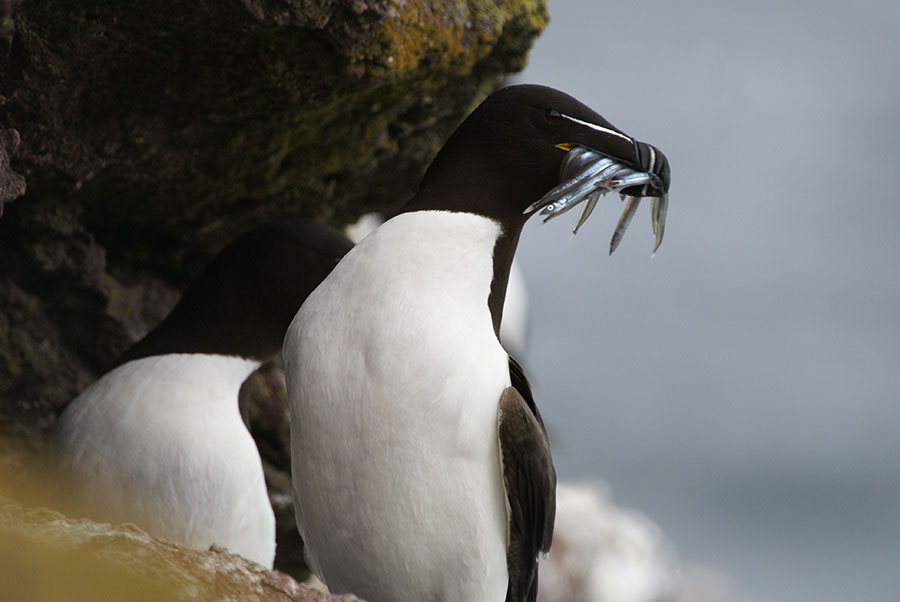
<point x="150" y="134"/>
<point x="12" y="184"/>
<point x="45" y="556"/>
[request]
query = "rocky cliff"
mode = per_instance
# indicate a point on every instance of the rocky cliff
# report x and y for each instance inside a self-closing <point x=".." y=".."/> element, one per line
<point x="137" y="138"/>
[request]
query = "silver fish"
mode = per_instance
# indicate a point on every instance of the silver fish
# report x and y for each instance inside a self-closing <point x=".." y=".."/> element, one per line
<point x="635" y="178"/>
<point x="585" y="176"/>
<point x="586" y="210"/>
<point x="561" y="194"/>
<point x="583" y="192"/>
<point x="658" y="208"/>
<point x="619" y="232"/>
<point x="576" y="160"/>
<point x="597" y="181"/>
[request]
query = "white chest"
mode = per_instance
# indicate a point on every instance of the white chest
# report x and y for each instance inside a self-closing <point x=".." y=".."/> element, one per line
<point x="159" y="442"/>
<point x="394" y="374"/>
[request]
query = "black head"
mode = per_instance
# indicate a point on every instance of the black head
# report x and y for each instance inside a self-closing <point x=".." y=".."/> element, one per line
<point x="245" y="298"/>
<point x="507" y="154"/>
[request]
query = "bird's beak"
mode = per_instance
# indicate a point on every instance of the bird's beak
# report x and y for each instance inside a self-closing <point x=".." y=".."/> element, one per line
<point x="601" y="159"/>
<point x="637" y="155"/>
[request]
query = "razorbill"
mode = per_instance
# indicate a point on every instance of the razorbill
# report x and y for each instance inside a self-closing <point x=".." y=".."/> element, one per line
<point x="158" y="441"/>
<point x="421" y="467"/>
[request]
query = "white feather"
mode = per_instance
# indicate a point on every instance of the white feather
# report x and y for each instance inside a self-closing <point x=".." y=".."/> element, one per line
<point x="513" y="328"/>
<point x="159" y="442"/>
<point x="394" y="376"/>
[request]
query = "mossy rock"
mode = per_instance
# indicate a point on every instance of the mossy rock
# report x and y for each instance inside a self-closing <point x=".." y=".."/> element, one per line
<point x="153" y="133"/>
<point x="138" y="138"/>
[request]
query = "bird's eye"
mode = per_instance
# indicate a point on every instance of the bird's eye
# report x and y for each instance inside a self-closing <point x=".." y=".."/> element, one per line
<point x="552" y="115"/>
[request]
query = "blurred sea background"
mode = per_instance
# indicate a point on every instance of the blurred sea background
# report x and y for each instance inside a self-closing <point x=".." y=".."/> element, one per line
<point x="742" y="388"/>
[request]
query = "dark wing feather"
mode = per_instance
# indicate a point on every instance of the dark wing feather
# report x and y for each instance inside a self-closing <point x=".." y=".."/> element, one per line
<point x="521" y="384"/>
<point x="530" y="481"/>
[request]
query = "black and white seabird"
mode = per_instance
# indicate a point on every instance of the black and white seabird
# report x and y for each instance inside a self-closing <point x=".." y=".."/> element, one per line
<point x="158" y="441"/>
<point x="421" y="467"/>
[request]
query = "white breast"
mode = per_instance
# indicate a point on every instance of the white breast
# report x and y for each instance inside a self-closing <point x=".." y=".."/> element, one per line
<point x="159" y="442"/>
<point x="394" y="375"/>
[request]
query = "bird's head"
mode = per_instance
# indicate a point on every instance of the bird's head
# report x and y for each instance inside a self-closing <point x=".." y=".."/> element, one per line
<point x="508" y="154"/>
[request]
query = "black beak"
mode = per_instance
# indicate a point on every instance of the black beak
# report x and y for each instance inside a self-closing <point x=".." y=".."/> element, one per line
<point x="651" y="160"/>
<point x="608" y="140"/>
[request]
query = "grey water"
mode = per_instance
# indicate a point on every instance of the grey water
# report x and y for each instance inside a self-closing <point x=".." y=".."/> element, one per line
<point x="742" y="388"/>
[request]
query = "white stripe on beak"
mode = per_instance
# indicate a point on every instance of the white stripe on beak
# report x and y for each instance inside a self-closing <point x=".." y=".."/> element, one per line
<point x="594" y="126"/>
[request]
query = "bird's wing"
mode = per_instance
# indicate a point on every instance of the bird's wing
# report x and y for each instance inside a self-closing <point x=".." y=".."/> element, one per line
<point x="530" y="482"/>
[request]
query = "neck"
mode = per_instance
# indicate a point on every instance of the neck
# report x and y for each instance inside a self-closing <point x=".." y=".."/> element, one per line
<point x="192" y="330"/>
<point x="504" y="251"/>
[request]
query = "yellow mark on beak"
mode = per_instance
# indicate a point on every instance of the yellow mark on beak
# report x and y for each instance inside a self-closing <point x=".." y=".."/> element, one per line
<point x="566" y="146"/>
